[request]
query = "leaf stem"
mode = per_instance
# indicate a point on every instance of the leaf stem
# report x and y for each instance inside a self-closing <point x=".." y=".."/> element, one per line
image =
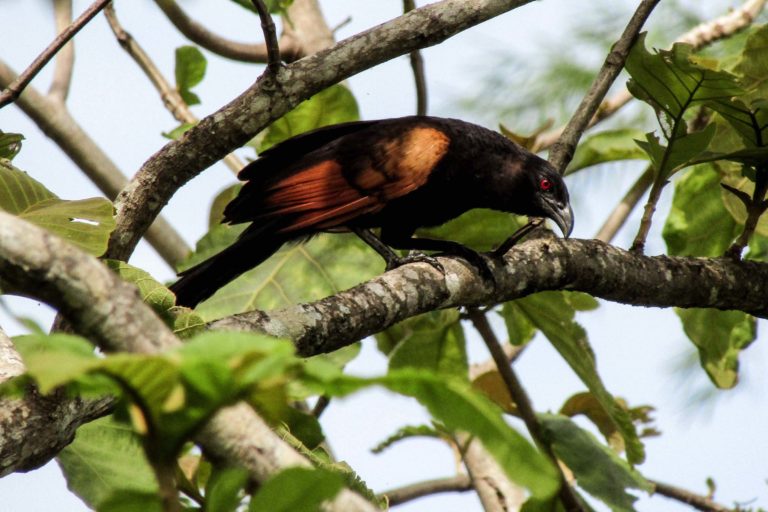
<point x="524" y="405"/>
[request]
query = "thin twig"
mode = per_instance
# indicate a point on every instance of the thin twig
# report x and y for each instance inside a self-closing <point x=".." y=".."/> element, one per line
<point x="400" y="495"/>
<point x="270" y="36"/>
<point x="523" y="402"/>
<point x="322" y="403"/>
<point x="65" y="59"/>
<point x="562" y="150"/>
<point x="701" y="35"/>
<point x="169" y="95"/>
<point x="417" y="64"/>
<point x="12" y="92"/>
<point x="621" y="212"/>
<point x="696" y="501"/>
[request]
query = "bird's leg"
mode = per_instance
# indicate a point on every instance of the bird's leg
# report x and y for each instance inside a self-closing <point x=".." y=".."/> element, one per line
<point x="448" y="248"/>
<point x="507" y="244"/>
<point x="390" y="256"/>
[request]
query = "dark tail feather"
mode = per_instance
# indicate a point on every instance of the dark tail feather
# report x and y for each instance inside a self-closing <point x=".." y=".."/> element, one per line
<point x="203" y="280"/>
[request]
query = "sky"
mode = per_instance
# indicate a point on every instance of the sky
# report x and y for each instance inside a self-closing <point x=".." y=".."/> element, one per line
<point x="639" y="350"/>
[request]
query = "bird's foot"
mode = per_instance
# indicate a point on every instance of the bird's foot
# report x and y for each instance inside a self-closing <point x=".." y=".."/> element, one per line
<point x="415" y="257"/>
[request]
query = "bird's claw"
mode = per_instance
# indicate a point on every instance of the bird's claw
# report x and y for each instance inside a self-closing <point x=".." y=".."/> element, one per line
<point x="415" y="257"/>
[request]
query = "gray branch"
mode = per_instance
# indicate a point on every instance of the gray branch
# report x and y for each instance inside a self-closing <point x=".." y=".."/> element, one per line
<point x="589" y="266"/>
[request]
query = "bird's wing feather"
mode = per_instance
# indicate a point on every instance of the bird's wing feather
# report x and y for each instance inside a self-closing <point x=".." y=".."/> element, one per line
<point x="326" y="194"/>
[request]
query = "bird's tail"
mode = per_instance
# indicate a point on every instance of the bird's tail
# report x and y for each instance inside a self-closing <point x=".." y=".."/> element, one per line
<point x="203" y="280"/>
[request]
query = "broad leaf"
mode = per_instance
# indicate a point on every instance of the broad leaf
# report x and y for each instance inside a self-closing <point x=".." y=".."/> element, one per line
<point x="607" y="146"/>
<point x="598" y="470"/>
<point x="479" y="229"/>
<point x="189" y="71"/>
<point x="333" y="105"/>
<point x="719" y="337"/>
<point x="297" y="490"/>
<point x="698" y="223"/>
<point x="752" y="67"/>
<point x="297" y="273"/>
<point x="551" y="313"/>
<point x="433" y="341"/>
<point x="224" y="490"/>
<point x="86" y="223"/>
<point x="106" y="458"/>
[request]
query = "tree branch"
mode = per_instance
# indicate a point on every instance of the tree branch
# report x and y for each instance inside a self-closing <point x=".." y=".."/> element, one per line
<point x="524" y="405"/>
<point x="172" y="100"/>
<point x="195" y="32"/>
<point x="589" y="266"/>
<point x="562" y="150"/>
<point x="272" y="96"/>
<point x="13" y="90"/>
<point x="54" y="120"/>
<point x="65" y="59"/>
<point x="400" y="495"/>
<point x="270" y="37"/>
<point x="696" y="501"/>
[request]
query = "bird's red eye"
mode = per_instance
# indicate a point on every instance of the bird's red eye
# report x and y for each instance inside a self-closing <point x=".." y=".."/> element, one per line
<point x="545" y="184"/>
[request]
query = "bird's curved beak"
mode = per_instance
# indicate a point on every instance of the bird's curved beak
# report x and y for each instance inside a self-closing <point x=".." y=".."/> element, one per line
<point x="562" y="214"/>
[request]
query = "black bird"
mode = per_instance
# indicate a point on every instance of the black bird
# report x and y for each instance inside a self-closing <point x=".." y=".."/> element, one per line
<point x="394" y="174"/>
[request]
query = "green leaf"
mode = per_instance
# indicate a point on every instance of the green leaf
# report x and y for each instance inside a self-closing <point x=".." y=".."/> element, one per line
<point x="551" y="313"/>
<point x="752" y="67"/>
<point x="672" y="81"/>
<point x="433" y="341"/>
<point x="681" y="151"/>
<point x="297" y="490"/>
<point x="133" y="501"/>
<point x="519" y="328"/>
<point x="607" y="146"/>
<point x="333" y="105"/>
<point x="698" y="223"/>
<point x="10" y="144"/>
<point x="274" y="6"/>
<point x="734" y="206"/>
<point x="598" y="470"/>
<point x="479" y="229"/>
<point x="224" y="490"/>
<point x="222" y="199"/>
<point x="105" y="458"/>
<point x="719" y="336"/>
<point x="56" y="359"/>
<point x="190" y="70"/>
<point x="86" y="223"/>
<point x="460" y="408"/>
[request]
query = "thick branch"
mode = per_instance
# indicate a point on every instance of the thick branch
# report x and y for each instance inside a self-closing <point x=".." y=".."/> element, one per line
<point x="273" y="95"/>
<point x="562" y="150"/>
<point x="197" y="33"/>
<point x="545" y="264"/>
<point x="14" y="89"/>
<point x="54" y="120"/>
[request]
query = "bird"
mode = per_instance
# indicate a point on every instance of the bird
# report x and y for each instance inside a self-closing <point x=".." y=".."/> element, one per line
<point x="397" y="175"/>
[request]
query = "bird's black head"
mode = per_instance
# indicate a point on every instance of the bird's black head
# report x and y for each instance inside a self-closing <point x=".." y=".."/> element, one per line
<point x="537" y="190"/>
